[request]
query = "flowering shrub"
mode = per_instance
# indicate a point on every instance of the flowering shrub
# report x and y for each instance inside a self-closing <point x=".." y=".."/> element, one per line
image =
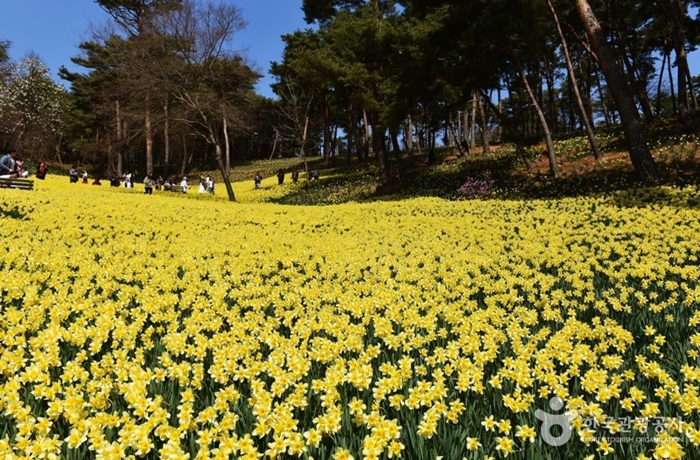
<point x="478" y="188"/>
<point x="179" y="326"/>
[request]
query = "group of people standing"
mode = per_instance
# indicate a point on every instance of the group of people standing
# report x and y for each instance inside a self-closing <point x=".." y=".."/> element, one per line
<point x="10" y="167"/>
<point x="257" y="179"/>
<point x="206" y="184"/>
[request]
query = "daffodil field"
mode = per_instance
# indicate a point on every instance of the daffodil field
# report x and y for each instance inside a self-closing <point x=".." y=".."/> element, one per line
<point x="184" y="326"/>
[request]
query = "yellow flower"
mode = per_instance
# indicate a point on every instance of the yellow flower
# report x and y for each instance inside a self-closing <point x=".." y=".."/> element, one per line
<point x="505" y="445"/>
<point x="342" y="454"/>
<point x="489" y="423"/>
<point x="504" y="426"/>
<point x="313" y="437"/>
<point x="395" y="449"/>
<point x="668" y="449"/>
<point x="605" y="448"/>
<point x="526" y="432"/>
<point x="473" y="444"/>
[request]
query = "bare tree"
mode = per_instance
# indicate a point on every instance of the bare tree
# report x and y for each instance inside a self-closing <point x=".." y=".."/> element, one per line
<point x="295" y="108"/>
<point x="212" y="85"/>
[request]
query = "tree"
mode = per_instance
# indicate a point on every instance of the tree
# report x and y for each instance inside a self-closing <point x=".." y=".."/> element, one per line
<point x="4" y="54"/>
<point x="139" y="69"/>
<point x="136" y="16"/>
<point x="574" y="83"/>
<point x="31" y="106"/>
<point x="676" y="15"/>
<point x="213" y="87"/>
<point x="294" y="111"/>
<point x="635" y="136"/>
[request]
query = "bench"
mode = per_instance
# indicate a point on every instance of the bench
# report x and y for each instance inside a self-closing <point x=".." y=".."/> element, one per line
<point x="22" y="184"/>
<point x="174" y="188"/>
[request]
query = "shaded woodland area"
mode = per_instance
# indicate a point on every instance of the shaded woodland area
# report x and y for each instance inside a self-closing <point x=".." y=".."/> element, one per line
<point x="366" y="81"/>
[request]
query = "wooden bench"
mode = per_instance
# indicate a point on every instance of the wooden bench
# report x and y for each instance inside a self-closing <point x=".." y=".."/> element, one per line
<point x="174" y="188"/>
<point x="22" y="184"/>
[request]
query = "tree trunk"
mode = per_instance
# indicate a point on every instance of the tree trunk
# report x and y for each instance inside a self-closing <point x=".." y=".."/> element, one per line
<point x="381" y="153"/>
<point x="635" y="83"/>
<point x="352" y="130"/>
<point x="166" y="136"/>
<point x="227" y="149"/>
<point x="326" y="130"/>
<point x="184" y="155"/>
<point x="149" y="138"/>
<point x="460" y="148"/>
<point x="58" y="150"/>
<point x="224" y="173"/>
<point x="409" y="134"/>
<point x="120" y="155"/>
<point x="674" y="103"/>
<point x="635" y="136"/>
<point x="604" y="104"/>
<point x="274" y="143"/>
<point x="472" y="127"/>
<point x="675" y="12"/>
<point x="499" y="100"/>
<point x="691" y="90"/>
<point x="467" y="127"/>
<point x="551" y="157"/>
<point x="664" y="58"/>
<point x="399" y="159"/>
<point x="574" y="85"/>
<point x="551" y="92"/>
<point x="484" y="126"/>
<point x="302" y="153"/>
<point x="367" y="136"/>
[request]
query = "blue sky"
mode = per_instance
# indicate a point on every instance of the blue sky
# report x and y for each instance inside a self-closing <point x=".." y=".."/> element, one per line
<point x="54" y="28"/>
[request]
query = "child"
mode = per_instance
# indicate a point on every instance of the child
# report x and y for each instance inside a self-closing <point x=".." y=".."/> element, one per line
<point x="21" y="172"/>
<point x="41" y="170"/>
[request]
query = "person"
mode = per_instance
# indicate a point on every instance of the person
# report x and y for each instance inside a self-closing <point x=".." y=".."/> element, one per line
<point x="19" y="169"/>
<point x="258" y="179"/>
<point x="295" y="176"/>
<point x="183" y="184"/>
<point x="8" y="165"/>
<point x="210" y="184"/>
<point x="202" y="187"/>
<point x="159" y="182"/>
<point x="85" y="177"/>
<point x="41" y="170"/>
<point x="128" y="180"/>
<point x="280" y="177"/>
<point x="97" y="181"/>
<point x="148" y="183"/>
<point x="114" y="179"/>
<point x="73" y="174"/>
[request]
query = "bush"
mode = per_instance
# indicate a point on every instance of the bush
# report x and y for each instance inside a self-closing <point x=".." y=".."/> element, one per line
<point x="478" y="188"/>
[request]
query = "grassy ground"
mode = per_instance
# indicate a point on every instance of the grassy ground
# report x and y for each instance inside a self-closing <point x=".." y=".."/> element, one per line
<point x="500" y="174"/>
<point x="677" y="158"/>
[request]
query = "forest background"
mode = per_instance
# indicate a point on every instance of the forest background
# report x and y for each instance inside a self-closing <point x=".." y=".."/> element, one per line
<point x="370" y="82"/>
